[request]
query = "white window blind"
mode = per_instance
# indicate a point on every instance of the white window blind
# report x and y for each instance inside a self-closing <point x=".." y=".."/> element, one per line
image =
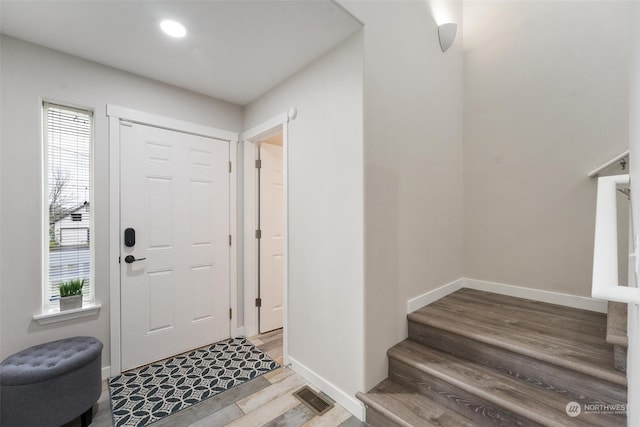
<point x="68" y="140"/>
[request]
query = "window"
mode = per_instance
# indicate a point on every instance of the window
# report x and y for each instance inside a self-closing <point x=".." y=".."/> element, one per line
<point x="68" y="189"/>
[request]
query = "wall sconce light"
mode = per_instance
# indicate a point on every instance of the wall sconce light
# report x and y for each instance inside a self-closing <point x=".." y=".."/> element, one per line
<point x="447" y="35"/>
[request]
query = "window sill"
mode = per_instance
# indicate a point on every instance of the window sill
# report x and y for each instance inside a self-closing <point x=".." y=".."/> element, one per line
<point x="55" y="316"/>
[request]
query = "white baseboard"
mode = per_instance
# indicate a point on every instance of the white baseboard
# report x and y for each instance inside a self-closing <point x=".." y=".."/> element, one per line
<point x="432" y="296"/>
<point x="584" y="303"/>
<point x="106" y="372"/>
<point x="350" y="403"/>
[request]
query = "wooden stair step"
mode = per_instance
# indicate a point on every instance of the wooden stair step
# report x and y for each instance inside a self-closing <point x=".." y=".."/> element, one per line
<point x="538" y="313"/>
<point x="392" y="404"/>
<point x="581" y="387"/>
<point x="617" y="324"/>
<point x="480" y="393"/>
<point x="530" y="328"/>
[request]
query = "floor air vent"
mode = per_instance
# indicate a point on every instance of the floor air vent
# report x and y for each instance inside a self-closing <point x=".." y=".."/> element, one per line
<point x="313" y="400"/>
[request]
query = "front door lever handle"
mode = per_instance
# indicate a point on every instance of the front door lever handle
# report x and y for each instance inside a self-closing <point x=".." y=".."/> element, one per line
<point x="130" y="258"/>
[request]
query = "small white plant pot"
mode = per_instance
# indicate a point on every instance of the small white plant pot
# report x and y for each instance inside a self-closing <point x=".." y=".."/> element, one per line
<point x="70" y="303"/>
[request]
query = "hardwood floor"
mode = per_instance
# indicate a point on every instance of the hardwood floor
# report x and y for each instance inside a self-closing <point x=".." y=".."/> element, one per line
<point x="270" y="343"/>
<point x="264" y="401"/>
<point x="476" y="358"/>
<point x="567" y="337"/>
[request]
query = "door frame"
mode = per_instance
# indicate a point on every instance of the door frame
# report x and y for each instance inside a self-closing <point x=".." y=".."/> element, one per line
<point x="115" y="115"/>
<point x="250" y="139"/>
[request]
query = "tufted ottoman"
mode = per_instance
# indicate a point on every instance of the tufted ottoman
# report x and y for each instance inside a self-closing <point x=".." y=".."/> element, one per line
<point x="50" y="384"/>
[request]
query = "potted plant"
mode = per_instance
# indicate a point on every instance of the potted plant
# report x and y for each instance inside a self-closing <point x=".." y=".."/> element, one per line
<point x="71" y="294"/>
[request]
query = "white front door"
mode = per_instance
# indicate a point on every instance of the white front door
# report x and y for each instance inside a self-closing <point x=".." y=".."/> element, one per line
<point x="271" y="241"/>
<point x="175" y="195"/>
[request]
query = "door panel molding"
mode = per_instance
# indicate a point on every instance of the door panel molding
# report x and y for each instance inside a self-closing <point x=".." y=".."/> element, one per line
<point x="180" y="210"/>
<point x="116" y="114"/>
<point x="271" y="238"/>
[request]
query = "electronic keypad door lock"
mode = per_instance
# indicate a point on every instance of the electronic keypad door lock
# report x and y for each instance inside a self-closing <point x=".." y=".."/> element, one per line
<point x="129" y="237"/>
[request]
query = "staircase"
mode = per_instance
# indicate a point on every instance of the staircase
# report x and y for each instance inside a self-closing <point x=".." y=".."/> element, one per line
<point x="477" y="359"/>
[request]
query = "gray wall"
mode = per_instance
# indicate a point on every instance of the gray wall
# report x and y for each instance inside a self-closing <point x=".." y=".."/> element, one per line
<point x="325" y="215"/>
<point x="412" y="165"/>
<point x="377" y="162"/>
<point x="30" y="73"/>
<point x="545" y="102"/>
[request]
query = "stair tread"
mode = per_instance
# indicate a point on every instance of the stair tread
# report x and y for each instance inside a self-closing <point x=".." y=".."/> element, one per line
<point x="531" y="402"/>
<point x="617" y="324"/>
<point x="408" y="408"/>
<point x="568" y="337"/>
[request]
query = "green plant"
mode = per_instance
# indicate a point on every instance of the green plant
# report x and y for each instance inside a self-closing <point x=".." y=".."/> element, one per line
<point x="71" y="288"/>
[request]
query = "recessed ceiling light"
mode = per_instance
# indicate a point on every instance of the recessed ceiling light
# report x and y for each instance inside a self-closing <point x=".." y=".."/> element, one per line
<point x="173" y="28"/>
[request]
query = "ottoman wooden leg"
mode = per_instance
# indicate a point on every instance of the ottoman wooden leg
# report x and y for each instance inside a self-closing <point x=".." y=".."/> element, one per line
<point x="87" y="417"/>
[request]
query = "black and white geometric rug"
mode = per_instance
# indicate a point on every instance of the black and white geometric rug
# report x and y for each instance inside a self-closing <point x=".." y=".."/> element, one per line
<point x="145" y="395"/>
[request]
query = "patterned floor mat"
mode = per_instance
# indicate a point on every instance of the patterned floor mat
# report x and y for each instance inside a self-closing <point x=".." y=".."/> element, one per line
<point x="145" y="395"/>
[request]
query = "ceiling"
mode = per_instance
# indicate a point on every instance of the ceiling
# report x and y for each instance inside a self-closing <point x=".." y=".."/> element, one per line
<point x="234" y="50"/>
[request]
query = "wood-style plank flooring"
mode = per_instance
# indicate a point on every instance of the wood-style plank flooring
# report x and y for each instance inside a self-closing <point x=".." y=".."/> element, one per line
<point x="481" y="359"/>
<point x="572" y="338"/>
<point x="264" y="401"/>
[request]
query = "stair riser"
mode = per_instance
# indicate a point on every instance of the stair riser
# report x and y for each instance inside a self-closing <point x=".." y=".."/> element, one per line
<point x="570" y="385"/>
<point x="482" y="412"/>
<point x="620" y="358"/>
<point x="376" y="419"/>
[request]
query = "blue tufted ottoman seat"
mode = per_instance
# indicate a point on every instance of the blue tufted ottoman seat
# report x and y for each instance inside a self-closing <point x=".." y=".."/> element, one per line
<point x="50" y="384"/>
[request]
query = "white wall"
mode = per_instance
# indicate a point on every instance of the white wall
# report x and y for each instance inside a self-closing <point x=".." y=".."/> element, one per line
<point x="633" y="355"/>
<point x="545" y="103"/>
<point x="412" y="164"/>
<point x="29" y="74"/>
<point x="325" y="215"/>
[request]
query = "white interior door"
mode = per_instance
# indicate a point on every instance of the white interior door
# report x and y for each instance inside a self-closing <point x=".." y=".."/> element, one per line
<point x="175" y="195"/>
<point x="271" y="241"/>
